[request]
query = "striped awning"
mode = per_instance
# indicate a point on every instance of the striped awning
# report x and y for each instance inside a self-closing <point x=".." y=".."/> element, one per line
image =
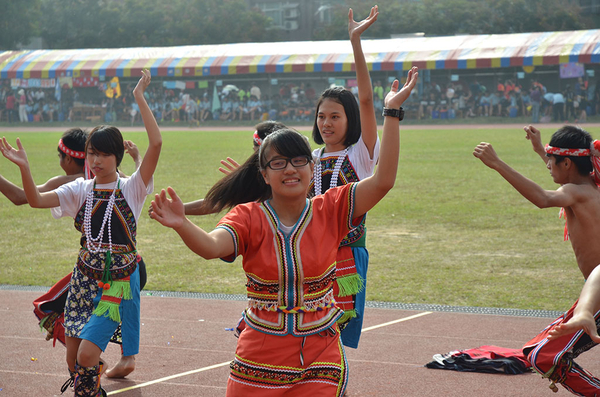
<point x="451" y="52"/>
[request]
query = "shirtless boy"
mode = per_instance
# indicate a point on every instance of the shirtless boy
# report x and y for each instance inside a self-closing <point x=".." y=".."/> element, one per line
<point x="570" y="162"/>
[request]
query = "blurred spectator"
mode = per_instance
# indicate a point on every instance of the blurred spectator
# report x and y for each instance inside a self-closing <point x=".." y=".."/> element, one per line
<point x="22" y="106"/>
<point x="558" y="107"/>
<point x="535" y="96"/>
<point x="254" y="107"/>
<point x="11" y="102"/>
<point x="204" y="108"/>
<point x="254" y="90"/>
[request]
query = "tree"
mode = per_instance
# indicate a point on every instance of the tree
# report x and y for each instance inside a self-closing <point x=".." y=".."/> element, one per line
<point x="150" y="23"/>
<point x="451" y="17"/>
<point x="18" y="22"/>
<point x="79" y="23"/>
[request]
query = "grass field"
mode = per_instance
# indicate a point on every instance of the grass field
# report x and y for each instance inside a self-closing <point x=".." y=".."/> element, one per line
<point x="451" y="232"/>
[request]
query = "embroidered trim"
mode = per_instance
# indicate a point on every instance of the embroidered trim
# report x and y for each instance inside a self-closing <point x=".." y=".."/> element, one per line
<point x="316" y="371"/>
<point x="318" y="305"/>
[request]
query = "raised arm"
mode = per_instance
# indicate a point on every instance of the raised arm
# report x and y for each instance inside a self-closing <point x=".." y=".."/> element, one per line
<point x="33" y="196"/>
<point x="371" y="190"/>
<point x="150" y="160"/>
<point x="564" y="196"/>
<point x="535" y="137"/>
<point x="170" y="212"/>
<point x="368" y="121"/>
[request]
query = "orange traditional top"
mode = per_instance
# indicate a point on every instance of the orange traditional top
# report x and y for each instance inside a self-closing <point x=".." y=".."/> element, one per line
<point x="290" y="276"/>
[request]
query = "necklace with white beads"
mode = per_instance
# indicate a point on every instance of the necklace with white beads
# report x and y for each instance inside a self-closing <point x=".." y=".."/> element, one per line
<point x="334" y="176"/>
<point x="95" y="244"/>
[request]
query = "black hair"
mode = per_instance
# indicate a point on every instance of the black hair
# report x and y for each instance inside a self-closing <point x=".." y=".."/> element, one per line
<point x="74" y="139"/>
<point x="572" y="137"/>
<point x="106" y="139"/>
<point x="246" y="183"/>
<point x="287" y="142"/>
<point x="347" y="100"/>
<point x="264" y="128"/>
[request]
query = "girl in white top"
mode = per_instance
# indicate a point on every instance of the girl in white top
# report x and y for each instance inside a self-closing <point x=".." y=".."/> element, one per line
<point x="349" y="133"/>
<point x="105" y="282"/>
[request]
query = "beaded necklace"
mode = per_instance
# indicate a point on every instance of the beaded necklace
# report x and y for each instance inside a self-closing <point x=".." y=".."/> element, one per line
<point x="334" y="176"/>
<point x="94" y="244"/>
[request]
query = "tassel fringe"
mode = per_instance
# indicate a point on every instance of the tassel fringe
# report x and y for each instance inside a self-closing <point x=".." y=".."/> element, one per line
<point x="111" y="299"/>
<point x="108" y="309"/>
<point x="350" y="285"/>
<point x="347" y="316"/>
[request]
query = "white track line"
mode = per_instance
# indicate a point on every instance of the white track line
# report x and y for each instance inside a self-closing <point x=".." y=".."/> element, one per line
<point x="228" y="362"/>
<point x="396" y="321"/>
<point x="169" y="378"/>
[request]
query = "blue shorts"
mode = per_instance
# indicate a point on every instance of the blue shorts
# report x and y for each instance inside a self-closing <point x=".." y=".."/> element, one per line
<point x="99" y="330"/>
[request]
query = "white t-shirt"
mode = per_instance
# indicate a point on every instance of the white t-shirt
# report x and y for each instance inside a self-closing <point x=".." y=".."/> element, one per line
<point x="72" y="195"/>
<point x="359" y="157"/>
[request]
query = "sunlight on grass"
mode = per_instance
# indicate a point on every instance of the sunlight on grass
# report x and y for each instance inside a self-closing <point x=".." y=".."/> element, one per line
<point x="451" y="232"/>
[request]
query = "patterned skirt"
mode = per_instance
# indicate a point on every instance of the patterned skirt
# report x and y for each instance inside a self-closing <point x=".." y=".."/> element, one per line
<point x="270" y="365"/>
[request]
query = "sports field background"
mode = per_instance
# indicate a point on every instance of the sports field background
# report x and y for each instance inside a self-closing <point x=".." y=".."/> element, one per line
<point x="451" y="232"/>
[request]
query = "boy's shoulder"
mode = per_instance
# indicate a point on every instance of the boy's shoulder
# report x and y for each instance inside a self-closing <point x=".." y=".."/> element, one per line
<point x="585" y="194"/>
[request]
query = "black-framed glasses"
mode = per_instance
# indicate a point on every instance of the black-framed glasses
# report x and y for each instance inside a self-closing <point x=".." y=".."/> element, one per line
<point x="282" y="162"/>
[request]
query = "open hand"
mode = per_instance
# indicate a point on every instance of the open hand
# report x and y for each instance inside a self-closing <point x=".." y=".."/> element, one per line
<point x="143" y="83"/>
<point x="19" y="157"/>
<point x="355" y="29"/>
<point x="230" y="164"/>
<point x="169" y="212"/>
<point x="132" y="149"/>
<point x="586" y="323"/>
<point x="394" y="99"/>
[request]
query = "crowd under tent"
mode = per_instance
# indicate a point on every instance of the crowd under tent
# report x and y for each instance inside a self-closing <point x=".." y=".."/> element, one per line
<point x="562" y="54"/>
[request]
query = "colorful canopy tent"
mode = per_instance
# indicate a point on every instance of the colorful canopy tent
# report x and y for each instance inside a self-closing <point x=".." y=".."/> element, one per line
<point x="451" y="52"/>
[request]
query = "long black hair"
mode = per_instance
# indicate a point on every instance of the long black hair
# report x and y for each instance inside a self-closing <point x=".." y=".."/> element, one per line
<point x="246" y="184"/>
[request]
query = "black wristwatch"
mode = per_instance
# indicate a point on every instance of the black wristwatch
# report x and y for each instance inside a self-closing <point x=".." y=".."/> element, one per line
<point x="393" y="113"/>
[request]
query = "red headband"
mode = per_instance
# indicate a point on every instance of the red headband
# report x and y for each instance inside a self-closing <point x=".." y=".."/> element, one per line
<point x="70" y="152"/>
<point x="593" y="152"/>
<point x="567" y="152"/>
<point x="257" y="139"/>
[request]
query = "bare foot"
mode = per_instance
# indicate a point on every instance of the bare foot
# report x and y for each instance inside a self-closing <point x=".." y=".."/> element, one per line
<point x="124" y="367"/>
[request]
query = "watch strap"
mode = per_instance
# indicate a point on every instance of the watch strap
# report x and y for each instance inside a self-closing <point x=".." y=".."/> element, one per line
<point x="391" y="112"/>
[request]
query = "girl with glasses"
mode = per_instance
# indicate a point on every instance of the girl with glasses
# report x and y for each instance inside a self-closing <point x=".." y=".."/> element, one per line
<point x="289" y="338"/>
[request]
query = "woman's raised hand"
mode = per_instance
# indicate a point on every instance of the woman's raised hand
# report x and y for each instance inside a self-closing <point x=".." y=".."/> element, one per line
<point x="395" y="98"/>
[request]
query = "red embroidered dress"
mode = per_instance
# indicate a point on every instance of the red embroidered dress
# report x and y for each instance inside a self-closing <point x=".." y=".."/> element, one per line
<point x="290" y="293"/>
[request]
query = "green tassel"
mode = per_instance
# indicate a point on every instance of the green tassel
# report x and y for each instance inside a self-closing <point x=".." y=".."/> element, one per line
<point x="350" y="285"/>
<point x="108" y="309"/>
<point x="106" y="277"/>
<point x="42" y="322"/>
<point x="120" y="289"/>
<point x="347" y="316"/>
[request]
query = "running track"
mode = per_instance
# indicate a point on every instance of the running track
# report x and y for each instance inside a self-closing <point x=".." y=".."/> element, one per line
<point x="186" y="347"/>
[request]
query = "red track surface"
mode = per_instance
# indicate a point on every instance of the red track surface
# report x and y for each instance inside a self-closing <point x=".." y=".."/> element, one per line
<point x="186" y="347"/>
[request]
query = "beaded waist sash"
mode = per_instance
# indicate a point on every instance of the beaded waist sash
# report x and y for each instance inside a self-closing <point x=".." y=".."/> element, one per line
<point x="92" y="264"/>
<point x="318" y="305"/>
